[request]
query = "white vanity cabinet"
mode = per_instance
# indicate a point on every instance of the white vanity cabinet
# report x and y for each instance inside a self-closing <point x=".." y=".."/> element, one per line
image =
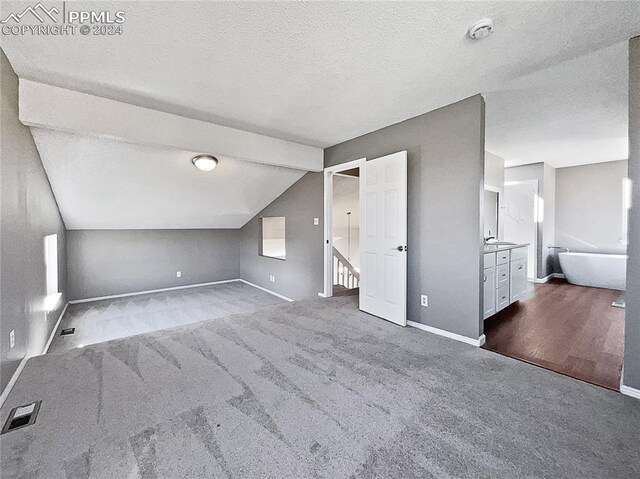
<point x="489" y="285"/>
<point x="504" y="278"/>
<point x="518" y="276"/>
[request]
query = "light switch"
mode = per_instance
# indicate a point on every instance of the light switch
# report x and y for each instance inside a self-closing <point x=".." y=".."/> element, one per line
<point x="316" y="221"/>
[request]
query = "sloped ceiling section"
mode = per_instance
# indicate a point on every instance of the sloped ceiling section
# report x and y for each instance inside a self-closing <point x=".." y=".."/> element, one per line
<point x="106" y="184"/>
<point x="313" y="73"/>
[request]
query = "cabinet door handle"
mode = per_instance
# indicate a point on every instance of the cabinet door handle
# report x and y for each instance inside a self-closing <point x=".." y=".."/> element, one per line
<point x="485" y="278"/>
<point x="520" y="267"/>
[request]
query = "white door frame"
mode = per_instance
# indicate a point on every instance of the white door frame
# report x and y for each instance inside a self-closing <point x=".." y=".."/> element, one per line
<point x="328" y="221"/>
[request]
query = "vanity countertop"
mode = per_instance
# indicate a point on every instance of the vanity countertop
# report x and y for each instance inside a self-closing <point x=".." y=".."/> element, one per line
<point x="492" y="248"/>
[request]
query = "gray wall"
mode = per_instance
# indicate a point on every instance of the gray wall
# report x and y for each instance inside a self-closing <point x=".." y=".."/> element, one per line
<point x="545" y="175"/>
<point x="632" y="296"/>
<point x="589" y="207"/>
<point x="29" y="213"/>
<point x="106" y="262"/>
<point x="549" y="231"/>
<point x="445" y="183"/>
<point x="301" y="274"/>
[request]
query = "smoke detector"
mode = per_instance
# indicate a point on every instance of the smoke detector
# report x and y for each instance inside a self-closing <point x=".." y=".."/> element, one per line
<point x="480" y="29"/>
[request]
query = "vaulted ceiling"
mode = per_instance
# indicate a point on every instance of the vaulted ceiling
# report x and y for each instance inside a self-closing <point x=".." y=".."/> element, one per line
<point x="318" y="73"/>
<point x="106" y="184"/>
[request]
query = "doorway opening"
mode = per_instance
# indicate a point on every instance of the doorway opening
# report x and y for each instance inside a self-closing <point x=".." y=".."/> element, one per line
<point x="346" y="232"/>
<point x="555" y="265"/>
<point x="342" y="234"/>
<point x="382" y="270"/>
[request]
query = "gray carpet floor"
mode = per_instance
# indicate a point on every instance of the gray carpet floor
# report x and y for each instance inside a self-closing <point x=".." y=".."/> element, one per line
<point x="311" y="389"/>
<point x="105" y="320"/>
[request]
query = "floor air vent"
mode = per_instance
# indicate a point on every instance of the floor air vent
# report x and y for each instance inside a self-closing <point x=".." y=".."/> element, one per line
<point x="67" y="331"/>
<point x="21" y="416"/>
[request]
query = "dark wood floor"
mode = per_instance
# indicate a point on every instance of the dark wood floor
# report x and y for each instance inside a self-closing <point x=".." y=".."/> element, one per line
<point x="569" y="329"/>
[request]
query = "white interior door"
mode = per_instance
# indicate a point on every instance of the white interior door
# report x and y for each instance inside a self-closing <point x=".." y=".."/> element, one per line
<point x="383" y="237"/>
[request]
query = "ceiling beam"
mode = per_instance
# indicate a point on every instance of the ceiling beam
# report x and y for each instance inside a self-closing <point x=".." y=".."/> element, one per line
<point x="55" y="108"/>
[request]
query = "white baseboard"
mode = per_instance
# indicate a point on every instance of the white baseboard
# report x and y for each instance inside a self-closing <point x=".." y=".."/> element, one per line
<point x="12" y="381"/>
<point x="173" y="288"/>
<point x="55" y="328"/>
<point x="267" y="290"/>
<point x="543" y="280"/>
<point x="441" y="332"/>
<point x="547" y="278"/>
<point x="629" y="391"/>
<point x="322" y="295"/>
<point x="138" y="293"/>
<point x="22" y="364"/>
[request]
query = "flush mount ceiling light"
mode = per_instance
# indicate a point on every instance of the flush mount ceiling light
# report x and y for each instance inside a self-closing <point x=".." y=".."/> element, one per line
<point x="481" y="29"/>
<point x="204" y="162"/>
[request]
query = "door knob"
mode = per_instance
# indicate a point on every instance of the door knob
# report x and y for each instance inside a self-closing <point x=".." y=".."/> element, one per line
<point x="401" y="248"/>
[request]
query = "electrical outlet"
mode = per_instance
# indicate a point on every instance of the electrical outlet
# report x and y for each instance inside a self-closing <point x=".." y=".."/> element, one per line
<point x="316" y="221"/>
<point x="12" y="339"/>
<point x="178" y="274"/>
<point x="424" y="300"/>
<point x="272" y="278"/>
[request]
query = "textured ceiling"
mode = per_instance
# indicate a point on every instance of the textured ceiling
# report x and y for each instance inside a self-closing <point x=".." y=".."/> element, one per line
<point x="106" y="184"/>
<point x="320" y="73"/>
<point x="568" y="114"/>
<point x="316" y="72"/>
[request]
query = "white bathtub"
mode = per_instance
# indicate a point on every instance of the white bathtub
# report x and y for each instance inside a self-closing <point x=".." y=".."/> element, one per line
<point x="595" y="269"/>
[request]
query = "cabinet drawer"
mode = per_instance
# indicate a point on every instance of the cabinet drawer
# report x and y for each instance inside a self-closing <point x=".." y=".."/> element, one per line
<point x="518" y="253"/>
<point x="502" y="257"/>
<point x="489" y="260"/>
<point x="502" y="278"/>
<point x="502" y="298"/>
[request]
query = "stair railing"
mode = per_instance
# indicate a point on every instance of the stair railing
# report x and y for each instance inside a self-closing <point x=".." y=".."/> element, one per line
<point x="344" y="273"/>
